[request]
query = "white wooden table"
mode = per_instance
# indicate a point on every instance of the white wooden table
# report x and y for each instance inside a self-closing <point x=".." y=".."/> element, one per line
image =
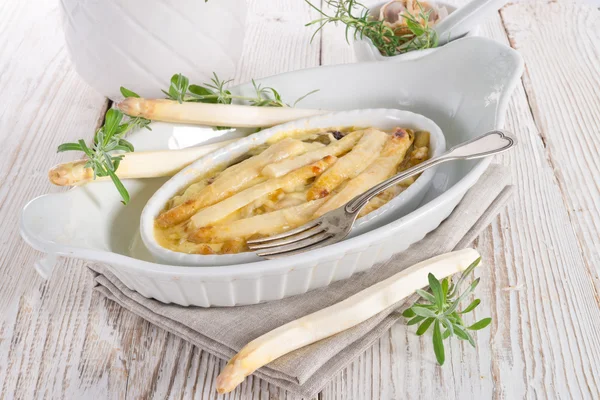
<point x="541" y="284"/>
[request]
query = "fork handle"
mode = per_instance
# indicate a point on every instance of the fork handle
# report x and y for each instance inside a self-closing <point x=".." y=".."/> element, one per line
<point x="489" y="143"/>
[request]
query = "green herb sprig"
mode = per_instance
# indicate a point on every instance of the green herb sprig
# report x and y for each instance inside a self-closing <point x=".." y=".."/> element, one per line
<point x="438" y="307"/>
<point x="107" y="140"/>
<point x="215" y="92"/>
<point x="359" y="24"/>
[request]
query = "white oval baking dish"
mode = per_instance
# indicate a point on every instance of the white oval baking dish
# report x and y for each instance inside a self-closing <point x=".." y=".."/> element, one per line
<point x="384" y="119"/>
<point x="469" y="96"/>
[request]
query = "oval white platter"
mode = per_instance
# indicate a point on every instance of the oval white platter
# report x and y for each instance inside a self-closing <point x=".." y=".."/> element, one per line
<point x="464" y="87"/>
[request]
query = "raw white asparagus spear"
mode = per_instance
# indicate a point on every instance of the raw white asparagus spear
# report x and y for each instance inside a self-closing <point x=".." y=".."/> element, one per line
<point x="217" y="212"/>
<point x="339" y="317"/>
<point x="233" y="115"/>
<point x="142" y="164"/>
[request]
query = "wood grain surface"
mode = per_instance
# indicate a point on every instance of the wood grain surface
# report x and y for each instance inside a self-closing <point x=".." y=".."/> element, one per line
<point x="540" y="283"/>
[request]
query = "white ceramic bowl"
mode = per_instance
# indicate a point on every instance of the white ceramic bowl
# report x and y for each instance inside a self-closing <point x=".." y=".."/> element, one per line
<point x="140" y="44"/>
<point x="384" y="119"/>
<point x="365" y="50"/>
<point x="467" y="97"/>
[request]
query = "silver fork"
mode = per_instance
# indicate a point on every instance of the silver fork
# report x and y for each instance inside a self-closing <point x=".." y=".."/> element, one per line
<point x="337" y="224"/>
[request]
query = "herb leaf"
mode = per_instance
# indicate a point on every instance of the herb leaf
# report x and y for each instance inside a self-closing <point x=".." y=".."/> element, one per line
<point x="299" y="99"/>
<point x="111" y="123"/>
<point x="445" y="286"/>
<point x="69" y="147"/>
<point x="464" y="335"/>
<point x="471" y="306"/>
<point x="120" y="187"/>
<point x="423" y="312"/>
<point x="202" y="94"/>
<point x="480" y="324"/>
<point x="179" y="87"/>
<point x="424" y="326"/>
<point x="436" y="288"/>
<point x="426" y="295"/>
<point x="415" y="320"/>
<point x="438" y="344"/>
<point x="408" y="313"/>
<point x="126" y="145"/>
<point x="128" y="93"/>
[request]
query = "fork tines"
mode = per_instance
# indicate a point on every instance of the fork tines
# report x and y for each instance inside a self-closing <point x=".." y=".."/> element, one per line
<point x="291" y="242"/>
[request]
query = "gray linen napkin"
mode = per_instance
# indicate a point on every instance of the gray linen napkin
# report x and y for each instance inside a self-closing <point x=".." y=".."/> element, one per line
<point x="224" y="331"/>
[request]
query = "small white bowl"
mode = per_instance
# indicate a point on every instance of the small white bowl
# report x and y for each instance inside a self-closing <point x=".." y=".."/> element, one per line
<point x="384" y="119"/>
<point x="365" y="50"/>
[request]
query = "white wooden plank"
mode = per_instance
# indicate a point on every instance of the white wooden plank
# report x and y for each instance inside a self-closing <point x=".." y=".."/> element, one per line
<point x="44" y="103"/>
<point x="276" y="39"/>
<point x="562" y="82"/>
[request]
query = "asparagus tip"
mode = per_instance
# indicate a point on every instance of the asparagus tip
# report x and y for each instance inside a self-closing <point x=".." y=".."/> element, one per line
<point x="69" y="174"/>
<point x="57" y="176"/>
<point x="130" y="106"/>
<point x="231" y="376"/>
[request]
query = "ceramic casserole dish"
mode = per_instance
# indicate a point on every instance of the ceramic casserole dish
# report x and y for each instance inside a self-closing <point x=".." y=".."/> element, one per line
<point x="384" y="119"/>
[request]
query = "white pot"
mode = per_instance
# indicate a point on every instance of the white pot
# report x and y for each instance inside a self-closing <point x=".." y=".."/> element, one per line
<point x="140" y="44"/>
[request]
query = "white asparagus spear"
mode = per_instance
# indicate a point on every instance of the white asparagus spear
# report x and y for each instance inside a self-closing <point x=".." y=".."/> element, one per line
<point x="214" y="213"/>
<point x="337" y="148"/>
<point x="339" y="317"/>
<point x="142" y="164"/>
<point x="348" y="167"/>
<point x="233" y="115"/>
<point x="263" y="224"/>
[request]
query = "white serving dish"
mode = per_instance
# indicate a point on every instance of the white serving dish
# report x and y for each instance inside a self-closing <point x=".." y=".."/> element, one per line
<point x="365" y="50"/>
<point x="140" y="44"/>
<point x="384" y="119"/>
<point x="465" y="98"/>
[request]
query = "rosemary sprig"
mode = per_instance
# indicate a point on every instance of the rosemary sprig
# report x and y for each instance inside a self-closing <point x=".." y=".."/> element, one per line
<point x="439" y="307"/>
<point x="360" y="24"/>
<point x="107" y="140"/>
